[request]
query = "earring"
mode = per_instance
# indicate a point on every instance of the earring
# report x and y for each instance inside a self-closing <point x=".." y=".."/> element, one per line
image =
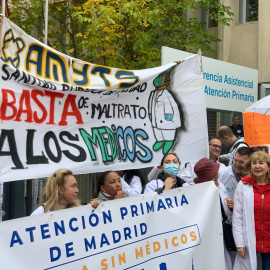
<point x="61" y="196"/>
<point x="268" y="171"/>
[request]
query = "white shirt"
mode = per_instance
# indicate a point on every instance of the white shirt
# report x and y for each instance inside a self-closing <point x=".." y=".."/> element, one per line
<point x="227" y="178"/>
<point x="154" y="184"/>
<point x="38" y="211"/>
<point x="134" y="188"/>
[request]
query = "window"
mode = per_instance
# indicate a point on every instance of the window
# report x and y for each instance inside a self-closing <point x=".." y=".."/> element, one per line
<point x="248" y="11"/>
<point x="207" y="21"/>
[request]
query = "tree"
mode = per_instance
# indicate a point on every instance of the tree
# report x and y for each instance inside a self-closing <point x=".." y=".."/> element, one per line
<point x="121" y="33"/>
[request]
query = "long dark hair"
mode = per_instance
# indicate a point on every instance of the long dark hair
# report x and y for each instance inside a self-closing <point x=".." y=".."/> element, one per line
<point x="128" y="175"/>
<point x="101" y="181"/>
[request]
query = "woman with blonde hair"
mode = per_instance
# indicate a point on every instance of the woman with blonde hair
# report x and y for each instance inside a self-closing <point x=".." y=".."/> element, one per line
<point x="60" y="192"/>
<point x="251" y="215"/>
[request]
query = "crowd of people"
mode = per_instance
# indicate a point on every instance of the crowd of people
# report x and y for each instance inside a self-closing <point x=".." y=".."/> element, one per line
<point x="244" y="189"/>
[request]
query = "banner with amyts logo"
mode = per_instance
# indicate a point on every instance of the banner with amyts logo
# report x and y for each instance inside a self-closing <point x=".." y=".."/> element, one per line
<point x="59" y="112"/>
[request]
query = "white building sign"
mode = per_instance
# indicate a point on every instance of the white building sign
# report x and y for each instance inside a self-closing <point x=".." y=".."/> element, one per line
<point x="227" y="86"/>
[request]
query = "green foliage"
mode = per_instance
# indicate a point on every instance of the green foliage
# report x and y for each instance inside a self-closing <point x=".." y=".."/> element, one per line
<point x="120" y="33"/>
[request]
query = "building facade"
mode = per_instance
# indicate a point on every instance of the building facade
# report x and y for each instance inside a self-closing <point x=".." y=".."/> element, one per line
<point x="246" y="43"/>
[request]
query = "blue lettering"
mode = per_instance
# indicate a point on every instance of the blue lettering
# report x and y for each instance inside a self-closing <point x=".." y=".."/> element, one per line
<point x="127" y="233"/>
<point x="126" y="74"/>
<point x="58" y="227"/>
<point x="30" y="230"/>
<point x="102" y="71"/>
<point x="150" y="207"/>
<point x="129" y="133"/>
<point x="161" y="205"/>
<point x="104" y="240"/>
<point x="45" y="231"/>
<point x="134" y="210"/>
<point x="123" y="211"/>
<point x="114" y="234"/>
<point x="85" y="81"/>
<point x="163" y="266"/>
<point x="69" y="249"/>
<point x="55" y="257"/>
<point x="83" y="222"/>
<point x="169" y="202"/>
<point x="143" y="228"/>
<point x="15" y="238"/>
<point x="148" y="155"/>
<point x="74" y="229"/>
<point x="88" y="245"/>
<point x="142" y="208"/>
<point x="52" y="58"/>
<point x="184" y="200"/>
<point x="38" y="50"/>
<point x="107" y="217"/>
<point x="120" y="133"/>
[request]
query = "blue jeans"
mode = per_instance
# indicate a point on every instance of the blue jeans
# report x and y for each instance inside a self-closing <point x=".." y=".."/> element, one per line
<point x="265" y="261"/>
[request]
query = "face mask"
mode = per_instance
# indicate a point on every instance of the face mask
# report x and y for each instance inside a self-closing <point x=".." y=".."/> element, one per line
<point x="171" y="169"/>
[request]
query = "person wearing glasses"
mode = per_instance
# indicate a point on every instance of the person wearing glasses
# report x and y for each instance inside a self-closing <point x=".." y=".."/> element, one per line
<point x="232" y="175"/>
<point x="214" y="148"/>
<point x="214" y="151"/>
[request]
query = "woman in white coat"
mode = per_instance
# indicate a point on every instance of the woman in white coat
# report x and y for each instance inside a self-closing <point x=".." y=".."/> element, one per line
<point x="251" y="216"/>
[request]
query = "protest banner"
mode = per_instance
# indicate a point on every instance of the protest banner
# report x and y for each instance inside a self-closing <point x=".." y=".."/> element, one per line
<point x="59" y="112"/>
<point x="179" y="229"/>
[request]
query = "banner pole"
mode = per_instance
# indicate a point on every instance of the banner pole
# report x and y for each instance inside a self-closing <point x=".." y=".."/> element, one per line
<point x="3" y="8"/>
<point x="46" y="21"/>
<point x="2" y="15"/>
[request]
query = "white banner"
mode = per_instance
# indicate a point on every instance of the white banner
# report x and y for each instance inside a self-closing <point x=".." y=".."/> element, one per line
<point x="179" y="229"/>
<point x="90" y="118"/>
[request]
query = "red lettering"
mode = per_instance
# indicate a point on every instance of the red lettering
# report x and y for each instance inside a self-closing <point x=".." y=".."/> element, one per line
<point x="25" y="100"/>
<point x="53" y="96"/>
<point x="6" y="104"/>
<point x="34" y="95"/>
<point x="24" y="111"/>
<point x="70" y="101"/>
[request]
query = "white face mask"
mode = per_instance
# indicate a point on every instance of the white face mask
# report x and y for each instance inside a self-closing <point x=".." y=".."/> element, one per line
<point x="171" y="169"/>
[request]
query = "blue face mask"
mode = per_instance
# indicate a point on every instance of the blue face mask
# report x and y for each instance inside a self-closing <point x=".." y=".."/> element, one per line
<point x="171" y="169"/>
